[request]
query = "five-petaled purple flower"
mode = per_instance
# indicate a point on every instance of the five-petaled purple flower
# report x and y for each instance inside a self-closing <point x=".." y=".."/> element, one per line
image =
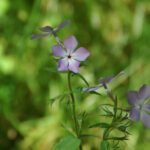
<point x="140" y="108"/>
<point x="70" y="60"/>
<point x="103" y="81"/>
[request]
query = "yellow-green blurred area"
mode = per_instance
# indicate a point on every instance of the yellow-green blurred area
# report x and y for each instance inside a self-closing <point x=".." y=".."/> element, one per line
<point x="117" y="34"/>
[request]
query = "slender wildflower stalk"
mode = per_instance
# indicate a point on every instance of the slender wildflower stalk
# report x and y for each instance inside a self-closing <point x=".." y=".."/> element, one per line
<point x="107" y="131"/>
<point x="73" y="104"/>
<point x="108" y="92"/>
<point x="73" y="107"/>
<point x="58" y="40"/>
<point x="76" y="124"/>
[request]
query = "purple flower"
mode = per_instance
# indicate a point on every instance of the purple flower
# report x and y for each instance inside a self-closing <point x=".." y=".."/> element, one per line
<point x="70" y="59"/>
<point x="140" y="108"/>
<point x="103" y="81"/>
<point x="49" y="30"/>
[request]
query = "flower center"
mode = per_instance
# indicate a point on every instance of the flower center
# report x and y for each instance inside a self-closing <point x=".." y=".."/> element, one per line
<point x="69" y="57"/>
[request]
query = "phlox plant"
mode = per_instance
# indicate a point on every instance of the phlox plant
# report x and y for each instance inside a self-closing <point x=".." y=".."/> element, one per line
<point x="69" y="59"/>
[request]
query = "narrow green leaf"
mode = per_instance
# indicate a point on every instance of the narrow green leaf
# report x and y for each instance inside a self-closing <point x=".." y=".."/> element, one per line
<point x="62" y="98"/>
<point x="88" y="136"/>
<point x="125" y="117"/>
<point x="59" y="97"/>
<point x="68" y="129"/>
<point x="107" y="105"/>
<point x="115" y="145"/>
<point x="104" y="145"/>
<point x="118" y="138"/>
<point x="101" y="125"/>
<point x="52" y="100"/>
<point x="83" y="118"/>
<point x="108" y="112"/>
<point x="68" y="143"/>
<point x="82" y="77"/>
<point x="123" y="128"/>
<point x="94" y="92"/>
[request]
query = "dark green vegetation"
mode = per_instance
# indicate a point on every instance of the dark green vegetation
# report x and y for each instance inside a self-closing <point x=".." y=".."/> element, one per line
<point x="116" y="32"/>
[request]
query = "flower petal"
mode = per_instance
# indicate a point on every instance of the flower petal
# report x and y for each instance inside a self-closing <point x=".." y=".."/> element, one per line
<point x="36" y="36"/>
<point x="106" y="80"/>
<point x="74" y="65"/>
<point x="146" y="119"/>
<point x="119" y="74"/>
<point x="92" y="88"/>
<point x="46" y="29"/>
<point x="110" y="78"/>
<point x="70" y="44"/>
<point x="81" y="54"/>
<point x="135" y="114"/>
<point x="62" y="64"/>
<point x="63" y="24"/>
<point x="132" y="98"/>
<point x="144" y="93"/>
<point x="146" y="107"/>
<point x="58" y="51"/>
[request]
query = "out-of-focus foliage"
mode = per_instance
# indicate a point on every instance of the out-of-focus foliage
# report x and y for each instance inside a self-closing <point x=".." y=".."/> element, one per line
<point x="116" y="32"/>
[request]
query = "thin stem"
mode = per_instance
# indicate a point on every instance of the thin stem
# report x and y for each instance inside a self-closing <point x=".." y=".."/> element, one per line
<point x="58" y="40"/>
<point x="73" y="103"/>
<point x="109" y="93"/>
<point x="80" y="147"/>
<point x="107" y="131"/>
<point x="73" y="107"/>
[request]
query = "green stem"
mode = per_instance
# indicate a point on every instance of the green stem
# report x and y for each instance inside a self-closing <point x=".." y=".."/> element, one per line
<point x="108" y="130"/>
<point x="80" y="147"/>
<point x="58" y="40"/>
<point x="73" y="107"/>
<point x="109" y="93"/>
<point x="112" y="98"/>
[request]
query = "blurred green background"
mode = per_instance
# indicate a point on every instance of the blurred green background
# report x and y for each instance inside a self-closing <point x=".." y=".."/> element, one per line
<point x="116" y="32"/>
